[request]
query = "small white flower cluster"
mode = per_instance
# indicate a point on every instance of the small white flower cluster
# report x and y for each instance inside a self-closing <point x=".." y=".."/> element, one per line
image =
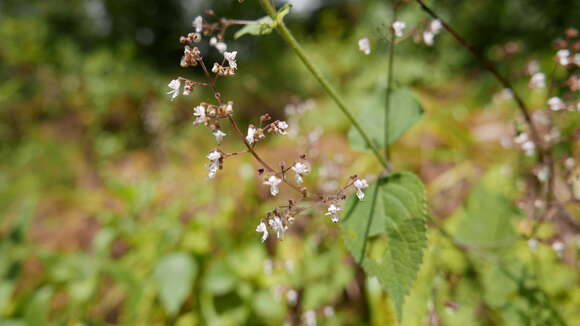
<point x="542" y="173"/>
<point x="255" y="134"/>
<point x="273" y="181"/>
<point x="527" y="145"/>
<point x="538" y="80"/>
<point x="220" y="70"/>
<point x="563" y="57"/>
<point x="433" y="29"/>
<point x="360" y="185"/>
<point x="556" y="104"/>
<point x="219" y="45"/>
<point x="364" y="44"/>
<point x="191" y="55"/>
<point x="175" y="87"/>
<point x="332" y="211"/>
<point x="207" y="114"/>
<point x="300" y="169"/>
<point x="215" y="163"/>
<point x="399" y="28"/>
<point x="276" y="224"/>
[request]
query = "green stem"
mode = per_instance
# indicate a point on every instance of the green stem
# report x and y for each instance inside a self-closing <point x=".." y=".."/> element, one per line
<point x="293" y="43"/>
<point x="389" y="86"/>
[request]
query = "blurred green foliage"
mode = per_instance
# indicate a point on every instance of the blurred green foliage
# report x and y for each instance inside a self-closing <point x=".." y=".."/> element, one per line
<point x="106" y="217"/>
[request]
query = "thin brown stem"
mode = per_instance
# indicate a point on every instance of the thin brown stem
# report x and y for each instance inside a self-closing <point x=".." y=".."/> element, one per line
<point x="251" y="150"/>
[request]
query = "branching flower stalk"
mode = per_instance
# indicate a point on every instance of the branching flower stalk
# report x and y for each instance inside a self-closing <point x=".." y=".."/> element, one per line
<point x="491" y="68"/>
<point x="279" y="219"/>
<point x="546" y="172"/>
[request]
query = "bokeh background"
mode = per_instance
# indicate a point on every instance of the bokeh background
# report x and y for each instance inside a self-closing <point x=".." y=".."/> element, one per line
<point x="107" y="217"/>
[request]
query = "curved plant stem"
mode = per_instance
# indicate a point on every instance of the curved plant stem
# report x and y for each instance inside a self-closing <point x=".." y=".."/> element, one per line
<point x="493" y="70"/>
<point x="289" y="38"/>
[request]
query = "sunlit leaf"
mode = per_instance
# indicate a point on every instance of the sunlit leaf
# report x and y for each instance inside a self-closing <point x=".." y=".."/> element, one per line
<point x="405" y="111"/>
<point x="174" y="276"/>
<point x="488" y="219"/>
<point x="394" y="212"/>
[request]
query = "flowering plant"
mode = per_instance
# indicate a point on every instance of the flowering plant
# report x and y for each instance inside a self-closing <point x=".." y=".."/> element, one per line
<point x="392" y="207"/>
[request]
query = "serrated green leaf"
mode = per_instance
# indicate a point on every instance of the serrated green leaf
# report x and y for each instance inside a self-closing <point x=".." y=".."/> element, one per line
<point x="395" y="213"/>
<point x="488" y="219"/>
<point x="405" y="111"/>
<point x="174" y="275"/>
<point x="264" y="25"/>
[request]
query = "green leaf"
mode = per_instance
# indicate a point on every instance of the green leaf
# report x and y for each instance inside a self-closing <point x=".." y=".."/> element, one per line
<point x="393" y="216"/>
<point x="174" y="275"/>
<point x="264" y="25"/>
<point x="404" y="112"/>
<point x="487" y="220"/>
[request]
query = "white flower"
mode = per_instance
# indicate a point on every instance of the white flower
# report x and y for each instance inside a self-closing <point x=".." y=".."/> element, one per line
<point x="198" y="24"/>
<point x="435" y="26"/>
<point x="360" y="185"/>
<point x="221" y="47"/>
<point x="199" y="113"/>
<point x="328" y="311"/>
<point x="364" y="45"/>
<point x="542" y="173"/>
<point x="529" y="147"/>
<point x="268" y="264"/>
<point x="556" y="104"/>
<point x="563" y="57"/>
<point x="428" y="37"/>
<point x="533" y="244"/>
<point x="174" y="85"/>
<point x="538" y="80"/>
<point x="300" y="169"/>
<point x="277" y="225"/>
<point x="214" y="164"/>
<point x="273" y="182"/>
<point x="577" y="59"/>
<point x="569" y="163"/>
<point x="229" y="109"/>
<point x="521" y="138"/>
<point x="292" y="297"/>
<point x="309" y="318"/>
<point x="399" y="28"/>
<point x="333" y="212"/>
<point x="251" y="134"/>
<point x="262" y="228"/>
<point x="558" y="246"/>
<point x="231" y="57"/>
<point x="219" y="135"/>
<point x="282" y="126"/>
<point x="533" y="67"/>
